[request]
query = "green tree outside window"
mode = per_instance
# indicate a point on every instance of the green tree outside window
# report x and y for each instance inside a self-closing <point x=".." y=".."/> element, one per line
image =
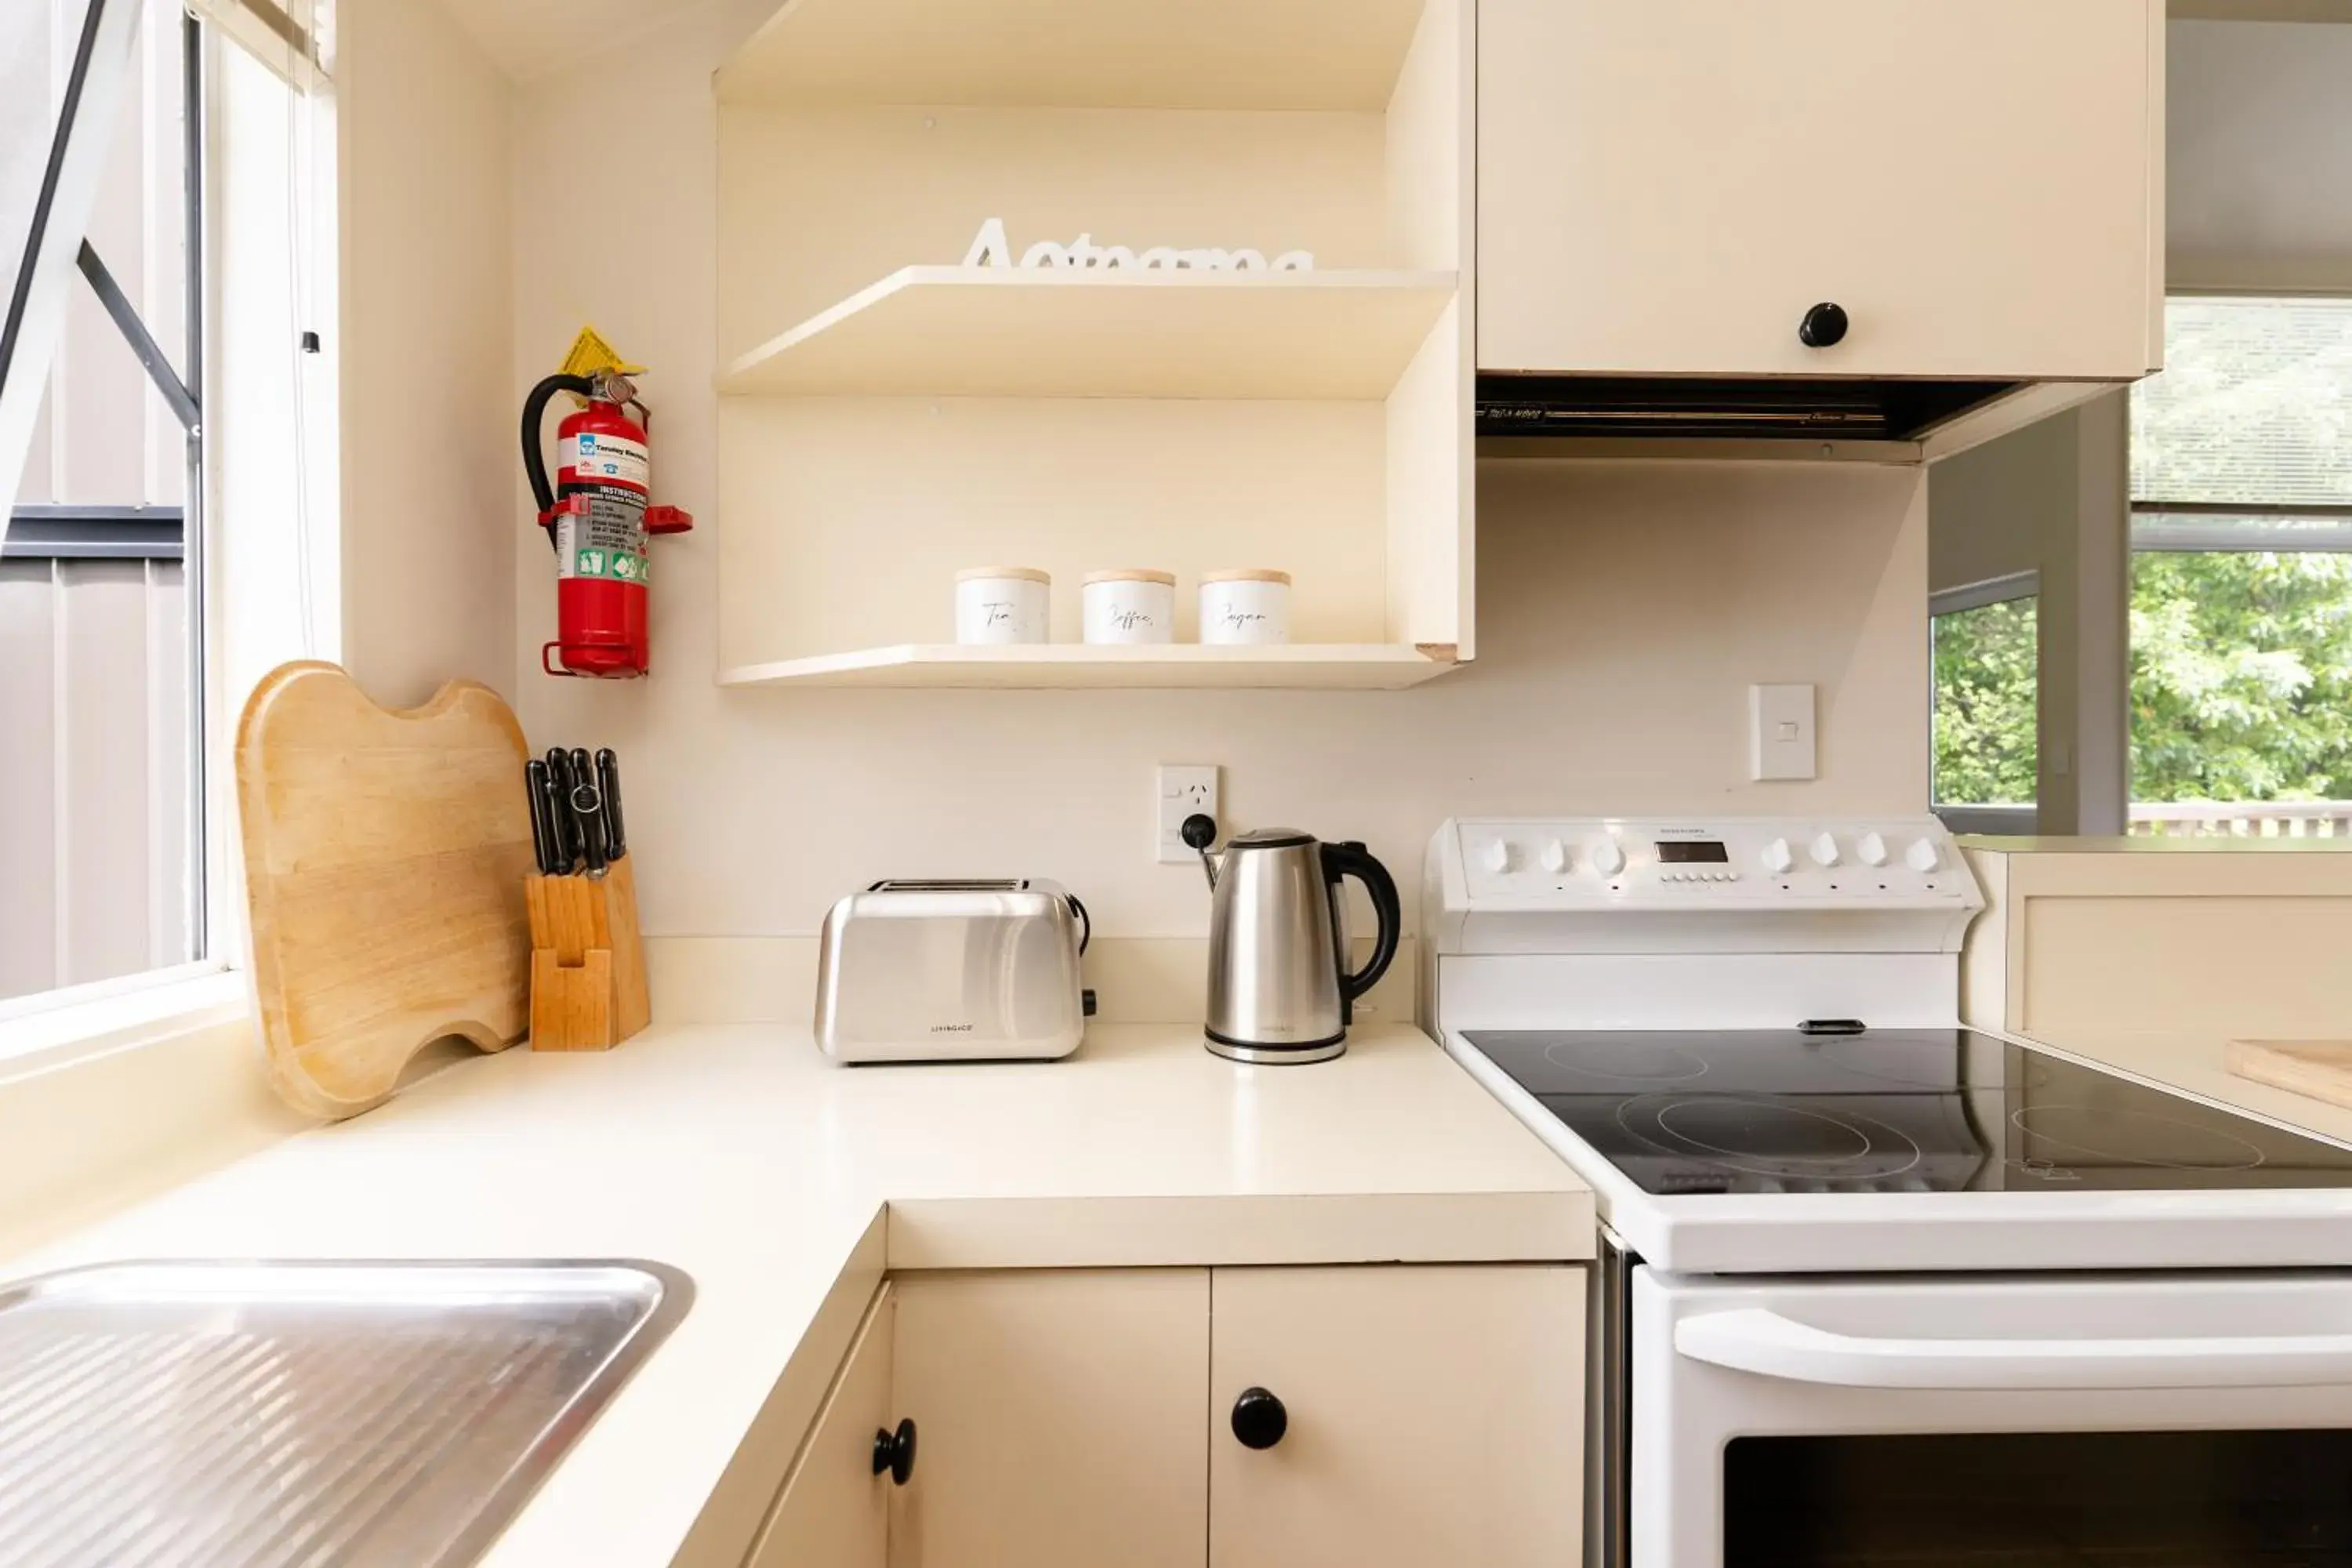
<point x="2241" y="676"/>
<point x="1986" y="700"/>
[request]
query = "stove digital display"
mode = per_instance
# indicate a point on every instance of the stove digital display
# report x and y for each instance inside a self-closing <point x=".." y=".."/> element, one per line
<point x="1693" y="852"/>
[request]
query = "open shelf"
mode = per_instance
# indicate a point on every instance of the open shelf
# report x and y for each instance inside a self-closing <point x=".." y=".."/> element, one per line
<point x="1363" y="667"/>
<point x="1102" y="54"/>
<point x="922" y="419"/>
<point x="984" y="331"/>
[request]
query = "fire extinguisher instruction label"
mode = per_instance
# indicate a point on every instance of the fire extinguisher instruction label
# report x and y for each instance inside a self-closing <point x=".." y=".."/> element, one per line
<point x="615" y="459"/>
<point x="607" y="542"/>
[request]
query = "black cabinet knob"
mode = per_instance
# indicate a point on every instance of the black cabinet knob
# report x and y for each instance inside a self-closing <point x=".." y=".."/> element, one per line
<point x="1259" y="1419"/>
<point x="894" y="1452"/>
<point x="1823" y="326"/>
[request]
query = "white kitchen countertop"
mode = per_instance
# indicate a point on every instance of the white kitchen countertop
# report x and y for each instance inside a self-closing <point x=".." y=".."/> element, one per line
<point x="784" y="1185"/>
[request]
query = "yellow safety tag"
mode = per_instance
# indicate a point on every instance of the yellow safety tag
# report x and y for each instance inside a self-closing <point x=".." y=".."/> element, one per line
<point x="591" y="356"/>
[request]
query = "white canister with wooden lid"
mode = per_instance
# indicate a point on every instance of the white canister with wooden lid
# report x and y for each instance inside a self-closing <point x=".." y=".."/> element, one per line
<point x="1245" y="607"/>
<point x="1130" y="605"/>
<point x="1000" y="605"/>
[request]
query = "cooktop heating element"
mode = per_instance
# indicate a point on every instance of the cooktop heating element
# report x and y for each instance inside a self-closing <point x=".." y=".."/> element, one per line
<point x="1900" y="1110"/>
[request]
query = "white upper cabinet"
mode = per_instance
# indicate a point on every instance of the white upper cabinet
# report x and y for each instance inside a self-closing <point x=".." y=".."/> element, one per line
<point x="1669" y="187"/>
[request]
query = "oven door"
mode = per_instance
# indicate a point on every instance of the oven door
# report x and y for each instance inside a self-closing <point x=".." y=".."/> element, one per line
<point x="2159" y="1421"/>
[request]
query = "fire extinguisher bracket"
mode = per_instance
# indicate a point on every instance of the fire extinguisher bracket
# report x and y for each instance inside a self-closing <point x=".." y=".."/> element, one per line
<point x="570" y="506"/>
<point x="668" y="520"/>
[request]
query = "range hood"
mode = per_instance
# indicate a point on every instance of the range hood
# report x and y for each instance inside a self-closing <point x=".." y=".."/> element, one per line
<point x="1750" y="229"/>
<point x="1788" y="408"/>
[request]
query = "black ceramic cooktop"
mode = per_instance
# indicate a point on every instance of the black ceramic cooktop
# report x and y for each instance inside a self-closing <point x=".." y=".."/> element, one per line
<point x="1886" y="1111"/>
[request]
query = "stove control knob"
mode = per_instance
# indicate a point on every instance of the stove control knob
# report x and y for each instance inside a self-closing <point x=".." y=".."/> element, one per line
<point x="1871" y="850"/>
<point x="1608" y="859"/>
<point x="1498" y="855"/>
<point x="1554" y="857"/>
<point x="1778" y="857"/>
<point x="1923" y="856"/>
<point x="1825" y="850"/>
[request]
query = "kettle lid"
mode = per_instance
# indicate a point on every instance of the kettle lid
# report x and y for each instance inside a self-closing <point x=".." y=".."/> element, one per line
<point x="1269" y="839"/>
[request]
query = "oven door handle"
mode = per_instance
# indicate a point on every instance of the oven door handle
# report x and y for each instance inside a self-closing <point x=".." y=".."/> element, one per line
<point x="1769" y="1345"/>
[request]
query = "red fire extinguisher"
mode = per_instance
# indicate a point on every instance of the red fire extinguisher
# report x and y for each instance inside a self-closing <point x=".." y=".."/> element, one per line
<point x="597" y="518"/>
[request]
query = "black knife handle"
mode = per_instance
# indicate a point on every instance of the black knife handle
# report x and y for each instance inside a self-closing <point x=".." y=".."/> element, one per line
<point x="592" y="830"/>
<point x="543" y="823"/>
<point x="560" y="851"/>
<point x="583" y="771"/>
<point x="560" y="783"/>
<point x="588" y="822"/>
<point x="588" y="810"/>
<point x="608" y="785"/>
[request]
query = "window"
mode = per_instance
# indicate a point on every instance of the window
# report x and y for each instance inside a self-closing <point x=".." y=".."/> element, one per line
<point x="127" y="121"/>
<point x="2241" y="572"/>
<point x="1986" y="701"/>
<point x="100" y="762"/>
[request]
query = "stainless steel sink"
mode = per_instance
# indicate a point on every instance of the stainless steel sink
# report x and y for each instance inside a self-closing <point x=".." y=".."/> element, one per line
<point x="265" y="1414"/>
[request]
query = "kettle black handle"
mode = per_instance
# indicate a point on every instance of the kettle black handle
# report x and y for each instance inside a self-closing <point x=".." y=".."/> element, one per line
<point x="1354" y="861"/>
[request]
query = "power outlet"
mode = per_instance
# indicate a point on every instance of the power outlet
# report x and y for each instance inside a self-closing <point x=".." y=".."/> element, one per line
<point x="1183" y="791"/>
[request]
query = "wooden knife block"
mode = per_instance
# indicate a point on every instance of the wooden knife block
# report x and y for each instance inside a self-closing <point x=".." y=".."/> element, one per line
<point x="587" y="962"/>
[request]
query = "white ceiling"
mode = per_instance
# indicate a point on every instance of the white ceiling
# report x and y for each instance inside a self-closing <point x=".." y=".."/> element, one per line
<point x="528" y="38"/>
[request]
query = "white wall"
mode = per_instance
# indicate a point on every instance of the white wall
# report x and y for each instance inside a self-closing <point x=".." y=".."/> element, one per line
<point x="428" y="444"/>
<point x="1623" y="611"/>
<point x="2260" y="148"/>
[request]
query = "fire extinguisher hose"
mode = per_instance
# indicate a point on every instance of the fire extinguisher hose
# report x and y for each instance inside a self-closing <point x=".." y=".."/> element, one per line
<point x="534" y="417"/>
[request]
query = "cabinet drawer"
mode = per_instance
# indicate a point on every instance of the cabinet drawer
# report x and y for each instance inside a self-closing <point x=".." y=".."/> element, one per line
<point x="1668" y="186"/>
<point x="834" y="1509"/>
<point x="1429" y="1415"/>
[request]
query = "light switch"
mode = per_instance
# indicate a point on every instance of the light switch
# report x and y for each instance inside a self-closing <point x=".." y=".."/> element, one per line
<point x="1780" y="733"/>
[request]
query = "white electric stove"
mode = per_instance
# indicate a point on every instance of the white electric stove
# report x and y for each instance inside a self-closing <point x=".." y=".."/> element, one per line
<point x="1873" y="1285"/>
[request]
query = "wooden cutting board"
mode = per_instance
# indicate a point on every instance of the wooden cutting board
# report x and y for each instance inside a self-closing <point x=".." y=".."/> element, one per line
<point x="384" y="857"/>
<point x="2320" y="1069"/>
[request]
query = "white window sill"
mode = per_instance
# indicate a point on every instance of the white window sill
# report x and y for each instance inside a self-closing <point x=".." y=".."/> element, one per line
<point x="59" y="1027"/>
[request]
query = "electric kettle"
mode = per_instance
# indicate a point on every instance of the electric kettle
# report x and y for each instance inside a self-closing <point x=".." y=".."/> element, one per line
<point x="1280" y="986"/>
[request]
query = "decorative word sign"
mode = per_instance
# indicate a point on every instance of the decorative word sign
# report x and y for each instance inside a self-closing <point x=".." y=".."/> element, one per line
<point x="990" y="248"/>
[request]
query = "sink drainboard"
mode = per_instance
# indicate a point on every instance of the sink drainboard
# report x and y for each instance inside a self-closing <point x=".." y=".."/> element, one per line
<point x="260" y="1414"/>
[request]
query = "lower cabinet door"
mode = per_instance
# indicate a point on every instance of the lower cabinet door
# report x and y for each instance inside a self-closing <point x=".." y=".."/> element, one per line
<point x="834" y="1509"/>
<point x="1060" y="1419"/>
<point x="1397" y="1417"/>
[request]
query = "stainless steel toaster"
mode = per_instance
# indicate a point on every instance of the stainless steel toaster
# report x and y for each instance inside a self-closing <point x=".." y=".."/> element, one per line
<point x="953" y="971"/>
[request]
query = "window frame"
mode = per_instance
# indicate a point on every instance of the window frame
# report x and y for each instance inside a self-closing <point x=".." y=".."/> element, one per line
<point x="2206" y="527"/>
<point x="2209" y="529"/>
<point x="2223" y="528"/>
<point x="2010" y="821"/>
